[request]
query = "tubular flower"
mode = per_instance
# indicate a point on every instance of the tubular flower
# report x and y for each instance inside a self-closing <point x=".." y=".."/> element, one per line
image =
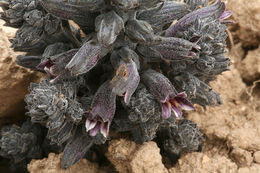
<point x="14" y="11"/>
<point x="164" y="13"/>
<point x="169" y="48"/>
<point x="55" y="65"/>
<point x="165" y="93"/>
<point x="108" y="27"/>
<point x="140" y="31"/>
<point x="86" y="58"/>
<point x="127" y="78"/>
<point x="216" y="10"/>
<point x="102" y="111"/>
<point x="83" y="14"/>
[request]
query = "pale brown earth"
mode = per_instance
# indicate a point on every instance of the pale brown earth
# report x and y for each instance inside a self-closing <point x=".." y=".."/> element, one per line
<point x="127" y="156"/>
<point x="232" y="130"/>
<point x="250" y="66"/>
<point x="52" y="165"/>
<point x="247" y="18"/>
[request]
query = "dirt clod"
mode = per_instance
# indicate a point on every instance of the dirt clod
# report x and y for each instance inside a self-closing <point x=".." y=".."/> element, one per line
<point x="199" y="162"/>
<point x="127" y="156"/>
<point x="247" y="18"/>
<point x="257" y="157"/>
<point x="250" y="67"/>
<point x="242" y="157"/>
<point x="255" y="168"/>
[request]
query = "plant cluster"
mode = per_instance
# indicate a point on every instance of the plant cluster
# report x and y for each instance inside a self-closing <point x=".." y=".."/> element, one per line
<point x="123" y="65"/>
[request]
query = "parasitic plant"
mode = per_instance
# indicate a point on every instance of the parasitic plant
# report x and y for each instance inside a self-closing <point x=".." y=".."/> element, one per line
<point x="121" y="65"/>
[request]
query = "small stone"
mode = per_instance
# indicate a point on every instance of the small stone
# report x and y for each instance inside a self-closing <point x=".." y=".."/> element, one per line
<point x="205" y="159"/>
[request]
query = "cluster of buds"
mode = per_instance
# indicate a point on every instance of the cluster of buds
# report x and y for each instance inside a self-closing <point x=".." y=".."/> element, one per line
<point x="20" y="144"/>
<point x="127" y="65"/>
<point x="183" y="136"/>
<point x="55" y="107"/>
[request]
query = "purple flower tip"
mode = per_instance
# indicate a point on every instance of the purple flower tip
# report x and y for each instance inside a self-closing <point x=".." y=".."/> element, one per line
<point x="94" y="126"/>
<point x="180" y="102"/>
<point x="102" y="111"/>
<point x="176" y="104"/>
<point x="166" y="110"/>
<point x="44" y="64"/>
<point x="224" y="16"/>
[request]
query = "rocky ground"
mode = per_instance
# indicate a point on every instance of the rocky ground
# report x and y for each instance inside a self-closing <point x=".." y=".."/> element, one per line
<point x="232" y="130"/>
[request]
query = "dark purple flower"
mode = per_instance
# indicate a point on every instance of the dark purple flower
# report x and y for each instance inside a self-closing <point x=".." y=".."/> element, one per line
<point x="224" y="16"/>
<point x="126" y="80"/>
<point x="180" y="102"/>
<point x="86" y="58"/>
<point x="102" y="111"/>
<point x="164" y="13"/>
<point x="83" y="13"/>
<point x="140" y="31"/>
<point x="163" y="90"/>
<point x="215" y="10"/>
<point x="108" y="27"/>
<point x="55" y="65"/>
<point x="171" y="48"/>
<point x="63" y="8"/>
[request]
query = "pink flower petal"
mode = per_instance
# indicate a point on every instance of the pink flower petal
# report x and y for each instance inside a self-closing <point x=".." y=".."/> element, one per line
<point x="182" y="94"/>
<point x="225" y="15"/>
<point x="44" y="64"/>
<point x="177" y="111"/>
<point x="166" y="110"/>
<point x="95" y="130"/>
<point x="184" y="103"/>
<point x="90" y="124"/>
<point x="104" y="130"/>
